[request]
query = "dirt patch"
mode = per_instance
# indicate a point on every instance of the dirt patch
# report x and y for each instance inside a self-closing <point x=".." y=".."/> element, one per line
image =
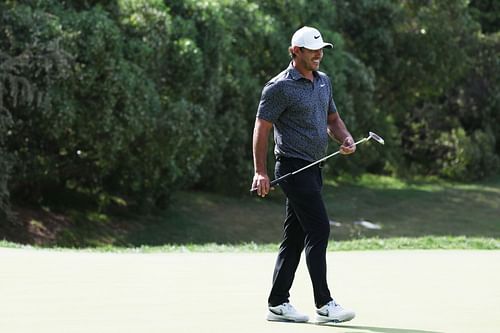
<point x="34" y="226"/>
<point x="43" y="227"/>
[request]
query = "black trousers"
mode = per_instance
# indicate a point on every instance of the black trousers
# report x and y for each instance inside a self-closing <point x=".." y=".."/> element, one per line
<point x="306" y="227"/>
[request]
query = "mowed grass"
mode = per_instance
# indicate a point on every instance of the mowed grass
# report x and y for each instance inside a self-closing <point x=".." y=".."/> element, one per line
<point x="402" y="209"/>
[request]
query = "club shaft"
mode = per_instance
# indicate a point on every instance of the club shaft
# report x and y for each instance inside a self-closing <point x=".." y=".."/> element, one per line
<point x="278" y="180"/>
<point x="324" y="158"/>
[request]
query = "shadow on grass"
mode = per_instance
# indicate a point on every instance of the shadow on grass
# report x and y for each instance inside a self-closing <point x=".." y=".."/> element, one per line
<point x="381" y="329"/>
<point x="366" y="329"/>
<point x="401" y="209"/>
<point x="423" y="210"/>
<point x="419" y="210"/>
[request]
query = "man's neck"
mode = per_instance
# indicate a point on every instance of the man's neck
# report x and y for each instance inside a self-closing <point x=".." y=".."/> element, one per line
<point x="305" y="73"/>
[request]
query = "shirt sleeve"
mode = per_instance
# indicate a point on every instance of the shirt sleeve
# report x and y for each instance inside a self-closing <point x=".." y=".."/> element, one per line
<point x="332" y="108"/>
<point x="272" y="103"/>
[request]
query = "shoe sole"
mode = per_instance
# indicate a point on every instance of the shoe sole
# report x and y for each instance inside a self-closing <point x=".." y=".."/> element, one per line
<point x="323" y="320"/>
<point x="273" y="317"/>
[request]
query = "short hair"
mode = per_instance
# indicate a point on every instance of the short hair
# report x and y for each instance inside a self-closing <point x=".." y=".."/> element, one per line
<point x="293" y="55"/>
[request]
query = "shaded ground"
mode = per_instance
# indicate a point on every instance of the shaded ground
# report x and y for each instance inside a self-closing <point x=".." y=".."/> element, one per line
<point x="397" y="208"/>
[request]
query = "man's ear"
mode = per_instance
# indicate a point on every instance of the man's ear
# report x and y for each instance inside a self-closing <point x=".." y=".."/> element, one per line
<point x="296" y="49"/>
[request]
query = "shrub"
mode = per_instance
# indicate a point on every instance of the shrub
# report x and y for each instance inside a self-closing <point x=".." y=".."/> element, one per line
<point x="468" y="158"/>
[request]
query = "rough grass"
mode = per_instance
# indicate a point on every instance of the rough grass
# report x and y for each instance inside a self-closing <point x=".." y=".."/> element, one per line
<point x="402" y="209"/>
<point x="421" y="213"/>
<point x="422" y="243"/>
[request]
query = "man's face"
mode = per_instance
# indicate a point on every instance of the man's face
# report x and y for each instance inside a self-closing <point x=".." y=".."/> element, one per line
<point x="309" y="59"/>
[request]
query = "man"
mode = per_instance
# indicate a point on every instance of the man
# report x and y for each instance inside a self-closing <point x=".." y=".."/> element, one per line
<point x="298" y="103"/>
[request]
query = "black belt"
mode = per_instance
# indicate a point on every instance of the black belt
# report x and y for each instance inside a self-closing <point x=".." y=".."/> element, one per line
<point x="283" y="159"/>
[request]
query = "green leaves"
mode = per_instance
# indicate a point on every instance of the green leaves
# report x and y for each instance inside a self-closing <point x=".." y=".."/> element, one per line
<point x="139" y="98"/>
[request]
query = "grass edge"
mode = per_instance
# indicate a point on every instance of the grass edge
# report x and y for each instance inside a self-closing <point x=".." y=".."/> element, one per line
<point x="365" y="244"/>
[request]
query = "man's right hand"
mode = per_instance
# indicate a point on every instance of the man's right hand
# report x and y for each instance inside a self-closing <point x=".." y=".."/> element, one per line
<point x="261" y="184"/>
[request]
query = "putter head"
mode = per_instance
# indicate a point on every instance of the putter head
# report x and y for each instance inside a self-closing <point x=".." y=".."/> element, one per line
<point x="375" y="137"/>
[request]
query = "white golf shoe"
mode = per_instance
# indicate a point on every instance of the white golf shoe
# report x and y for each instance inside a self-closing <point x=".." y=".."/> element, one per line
<point x="285" y="312"/>
<point x="333" y="312"/>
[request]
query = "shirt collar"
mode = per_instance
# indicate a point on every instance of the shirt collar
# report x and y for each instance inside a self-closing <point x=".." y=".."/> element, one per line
<point x="295" y="74"/>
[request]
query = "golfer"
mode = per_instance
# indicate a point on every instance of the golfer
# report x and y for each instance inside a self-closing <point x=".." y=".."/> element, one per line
<point x="298" y="104"/>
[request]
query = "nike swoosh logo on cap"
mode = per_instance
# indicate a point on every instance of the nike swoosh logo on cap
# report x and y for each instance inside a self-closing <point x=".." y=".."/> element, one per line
<point x="316" y="37"/>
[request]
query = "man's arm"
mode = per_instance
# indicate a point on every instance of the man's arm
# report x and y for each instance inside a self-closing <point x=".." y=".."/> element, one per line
<point x="260" y="138"/>
<point x="338" y="131"/>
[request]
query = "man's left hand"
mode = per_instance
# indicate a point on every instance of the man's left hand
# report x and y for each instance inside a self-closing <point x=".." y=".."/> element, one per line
<point x="348" y="146"/>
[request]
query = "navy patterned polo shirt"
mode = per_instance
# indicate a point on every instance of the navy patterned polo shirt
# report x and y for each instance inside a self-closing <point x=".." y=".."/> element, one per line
<point x="298" y="109"/>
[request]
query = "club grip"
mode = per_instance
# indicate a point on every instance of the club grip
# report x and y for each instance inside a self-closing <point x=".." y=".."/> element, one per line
<point x="274" y="182"/>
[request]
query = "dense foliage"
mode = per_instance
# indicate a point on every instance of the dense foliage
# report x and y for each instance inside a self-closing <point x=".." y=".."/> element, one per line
<point x="131" y="100"/>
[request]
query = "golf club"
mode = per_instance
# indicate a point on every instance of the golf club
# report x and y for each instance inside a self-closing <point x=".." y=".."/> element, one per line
<point x="371" y="135"/>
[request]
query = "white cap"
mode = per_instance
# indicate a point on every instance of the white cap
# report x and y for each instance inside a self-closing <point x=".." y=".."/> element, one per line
<point x="309" y="38"/>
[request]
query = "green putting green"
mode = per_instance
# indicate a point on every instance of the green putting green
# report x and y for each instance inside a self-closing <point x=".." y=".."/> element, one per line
<point x="403" y="291"/>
